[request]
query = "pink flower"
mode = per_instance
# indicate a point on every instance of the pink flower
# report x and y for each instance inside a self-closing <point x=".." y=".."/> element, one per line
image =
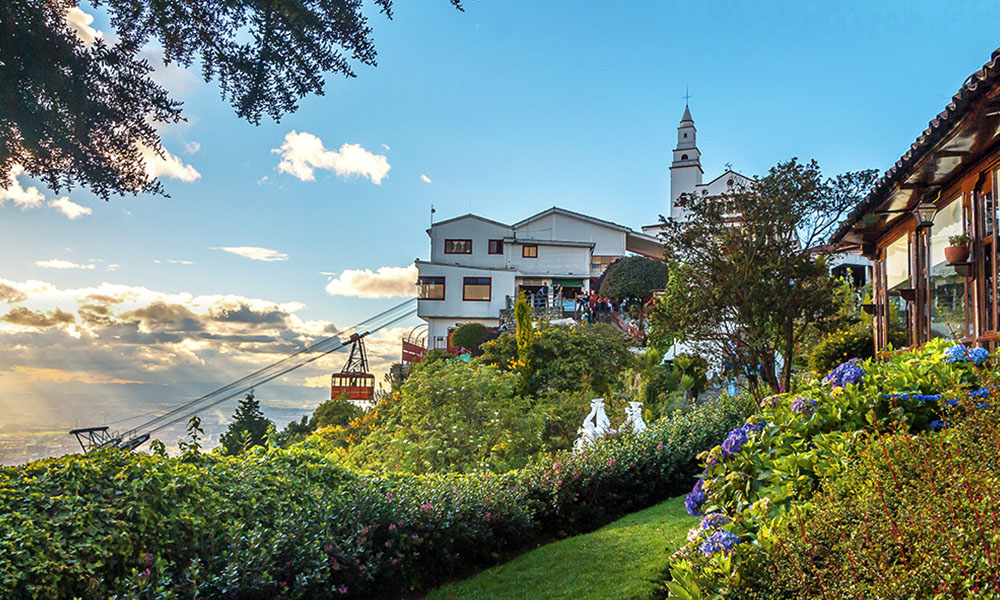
<point x="342" y="590"/>
<point x="612" y="462"/>
<point x="327" y="548"/>
<point x="145" y="574"/>
<point x="395" y="560"/>
<point x="392" y="527"/>
<point x="415" y="536"/>
<point x="488" y="516"/>
<point x="388" y="543"/>
<point x="400" y="523"/>
<point x="555" y="467"/>
<point x="388" y="495"/>
<point x="426" y="507"/>
<point x="659" y="446"/>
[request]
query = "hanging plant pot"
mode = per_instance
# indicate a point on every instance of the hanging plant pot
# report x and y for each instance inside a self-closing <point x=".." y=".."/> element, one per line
<point x="956" y="254"/>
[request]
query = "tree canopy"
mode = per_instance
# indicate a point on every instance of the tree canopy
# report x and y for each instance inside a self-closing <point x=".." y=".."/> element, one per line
<point x="633" y="277"/>
<point x="747" y="290"/>
<point x="248" y="429"/>
<point x="77" y="112"/>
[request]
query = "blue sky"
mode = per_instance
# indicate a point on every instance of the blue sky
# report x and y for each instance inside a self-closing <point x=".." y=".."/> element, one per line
<point x="508" y="108"/>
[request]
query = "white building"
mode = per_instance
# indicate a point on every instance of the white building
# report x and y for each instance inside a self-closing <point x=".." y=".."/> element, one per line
<point x="477" y="266"/>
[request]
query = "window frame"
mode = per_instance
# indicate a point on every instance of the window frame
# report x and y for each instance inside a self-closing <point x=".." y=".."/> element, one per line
<point x="524" y="250"/>
<point x="443" y="283"/>
<point x="456" y="240"/>
<point x="495" y="246"/>
<point x="489" y="289"/>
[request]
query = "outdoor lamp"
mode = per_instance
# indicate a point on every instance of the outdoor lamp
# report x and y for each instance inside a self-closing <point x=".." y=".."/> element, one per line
<point x="924" y="214"/>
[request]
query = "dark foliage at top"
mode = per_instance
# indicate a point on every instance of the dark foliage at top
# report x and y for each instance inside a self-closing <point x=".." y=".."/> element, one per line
<point x="248" y="428"/>
<point x="73" y="113"/>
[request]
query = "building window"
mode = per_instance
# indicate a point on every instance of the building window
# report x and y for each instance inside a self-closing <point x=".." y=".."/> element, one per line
<point x="598" y="264"/>
<point x="896" y="267"/>
<point x="430" y="288"/>
<point x="529" y="251"/>
<point x="476" y="289"/>
<point x="458" y="246"/>
<point x="684" y="156"/>
<point x="496" y="246"/>
<point x="947" y="288"/>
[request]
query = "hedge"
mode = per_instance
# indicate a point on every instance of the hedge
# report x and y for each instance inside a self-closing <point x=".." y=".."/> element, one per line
<point x="294" y="524"/>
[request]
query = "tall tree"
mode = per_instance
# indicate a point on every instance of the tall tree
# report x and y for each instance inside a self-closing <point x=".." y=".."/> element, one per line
<point x="747" y="289"/>
<point x="633" y="277"/>
<point x="248" y="429"/>
<point x="77" y="112"/>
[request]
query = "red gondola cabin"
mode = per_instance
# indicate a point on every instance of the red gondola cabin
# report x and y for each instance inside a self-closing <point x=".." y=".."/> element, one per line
<point x="352" y="386"/>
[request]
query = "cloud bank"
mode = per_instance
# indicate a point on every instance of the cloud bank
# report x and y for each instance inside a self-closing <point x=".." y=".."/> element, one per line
<point x="302" y="153"/>
<point x="254" y="253"/>
<point x="385" y="282"/>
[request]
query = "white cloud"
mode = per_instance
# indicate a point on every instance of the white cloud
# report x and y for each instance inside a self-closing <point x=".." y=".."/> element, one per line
<point x="254" y="253"/>
<point x="167" y="165"/>
<point x="180" y="262"/>
<point x="58" y="263"/>
<point x="425" y="178"/>
<point x="113" y="267"/>
<point x="386" y="146"/>
<point x="192" y="147"/>
<point x="264" y="180"/>
<point x="385" y="282"/>
<point x="16" y="193"/>
<point x="303" y="152"/>
<point x="80" y="22"/>
<point x="71" y="209"/>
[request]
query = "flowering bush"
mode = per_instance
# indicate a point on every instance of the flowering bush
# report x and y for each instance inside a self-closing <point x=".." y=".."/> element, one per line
<point x="763" y="480"/>
<point x="846" y="373"/>
<point x="296" y="524"/>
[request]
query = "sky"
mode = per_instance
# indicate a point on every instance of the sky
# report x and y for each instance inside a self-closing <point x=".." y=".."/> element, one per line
<point x="275" y="234"/>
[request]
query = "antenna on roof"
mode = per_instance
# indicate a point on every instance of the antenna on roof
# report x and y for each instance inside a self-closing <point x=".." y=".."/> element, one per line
<point x="432" y="213"/>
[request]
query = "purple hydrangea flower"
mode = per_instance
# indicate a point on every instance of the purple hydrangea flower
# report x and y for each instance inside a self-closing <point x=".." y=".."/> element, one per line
<point x="696" y="499"/>
<point x="721" y="541"/>
<point x="771" y="401"/>
<point x="960" y="353"/>
<point x="803" y="405"/>
<point x="734" y="441"/>
<point x="845" y="373"/>
<point x="753" y="425"/>
<point x="713" y="521"/>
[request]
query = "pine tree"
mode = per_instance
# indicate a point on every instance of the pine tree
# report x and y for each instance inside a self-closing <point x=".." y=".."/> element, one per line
<point x="248" y="429"/>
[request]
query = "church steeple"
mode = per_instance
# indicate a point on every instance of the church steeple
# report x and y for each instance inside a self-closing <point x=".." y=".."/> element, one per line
<point x="685" y="171"/>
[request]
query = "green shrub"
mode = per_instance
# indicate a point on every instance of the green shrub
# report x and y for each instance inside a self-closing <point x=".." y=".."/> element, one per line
<point x="766" y="476"/>
<point x="294" y="524"/>
<point x="468" y="336"/>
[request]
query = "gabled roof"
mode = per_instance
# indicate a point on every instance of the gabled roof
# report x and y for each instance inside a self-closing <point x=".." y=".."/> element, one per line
<point x="728" y="172"/>
<point x="467" y="216"/>
<point x="687" y="114"/>
<point x="555" y="210"/>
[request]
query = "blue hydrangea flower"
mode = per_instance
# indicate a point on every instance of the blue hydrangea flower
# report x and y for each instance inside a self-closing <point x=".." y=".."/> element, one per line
<point x="721" y="541"/>
<point x="914" y="396"/>
<point x="696" y="499"/>
<point x="960" y="353"/>
<point x="952" y="402"/>
<point x="771" y="401"/>
<point x="803" y="405"/>
<point x="754" y="424"/>
<point x="981" y="393"/>
<point x="845" y="373"/>
<point x="713" y="521"/>
<point x="938" y="425"/>
<point x="734" y="441"/>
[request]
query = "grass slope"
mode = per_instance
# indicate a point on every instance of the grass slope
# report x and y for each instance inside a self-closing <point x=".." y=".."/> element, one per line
<point x="620" y="560"/>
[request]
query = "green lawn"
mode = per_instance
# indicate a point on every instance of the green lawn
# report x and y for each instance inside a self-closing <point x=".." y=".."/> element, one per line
<point x="620" y="560"/>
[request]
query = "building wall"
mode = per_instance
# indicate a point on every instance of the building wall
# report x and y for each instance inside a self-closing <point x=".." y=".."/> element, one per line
<point x="552" y="260"/>
<point x="439" y="328"/>
<point x="606" y="240"/>
<point x="453" y="305"/>
<point x="479" y="231"/>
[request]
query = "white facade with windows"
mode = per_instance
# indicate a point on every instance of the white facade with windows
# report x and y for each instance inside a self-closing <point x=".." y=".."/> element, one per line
<point x="477" y="266"/>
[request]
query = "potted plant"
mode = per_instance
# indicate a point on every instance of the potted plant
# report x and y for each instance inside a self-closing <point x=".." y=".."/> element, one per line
<point x="958" y="250"/>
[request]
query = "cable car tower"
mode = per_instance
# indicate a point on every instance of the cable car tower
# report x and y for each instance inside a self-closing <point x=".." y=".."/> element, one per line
<point x="354" y="382"/>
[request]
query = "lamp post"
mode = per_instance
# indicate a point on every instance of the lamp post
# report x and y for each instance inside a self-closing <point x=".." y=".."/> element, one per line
<point x="924" y="214"/>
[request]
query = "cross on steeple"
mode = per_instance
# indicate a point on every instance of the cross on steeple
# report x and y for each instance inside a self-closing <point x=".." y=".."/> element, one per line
<point x="687" y="95"/>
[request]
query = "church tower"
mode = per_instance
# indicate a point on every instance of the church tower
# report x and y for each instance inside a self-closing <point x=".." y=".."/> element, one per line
<point x="685" y="171"/>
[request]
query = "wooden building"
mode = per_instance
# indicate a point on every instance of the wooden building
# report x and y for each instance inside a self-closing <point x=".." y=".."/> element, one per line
<point x="944" y="186"/>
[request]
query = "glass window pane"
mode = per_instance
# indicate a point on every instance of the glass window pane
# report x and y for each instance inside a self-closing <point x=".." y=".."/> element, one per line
<point x="430" y="288"/>
<point x="947" y="287"/>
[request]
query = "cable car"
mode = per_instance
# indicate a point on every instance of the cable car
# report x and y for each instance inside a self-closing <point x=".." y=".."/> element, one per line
<point x="354" y="382"/>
